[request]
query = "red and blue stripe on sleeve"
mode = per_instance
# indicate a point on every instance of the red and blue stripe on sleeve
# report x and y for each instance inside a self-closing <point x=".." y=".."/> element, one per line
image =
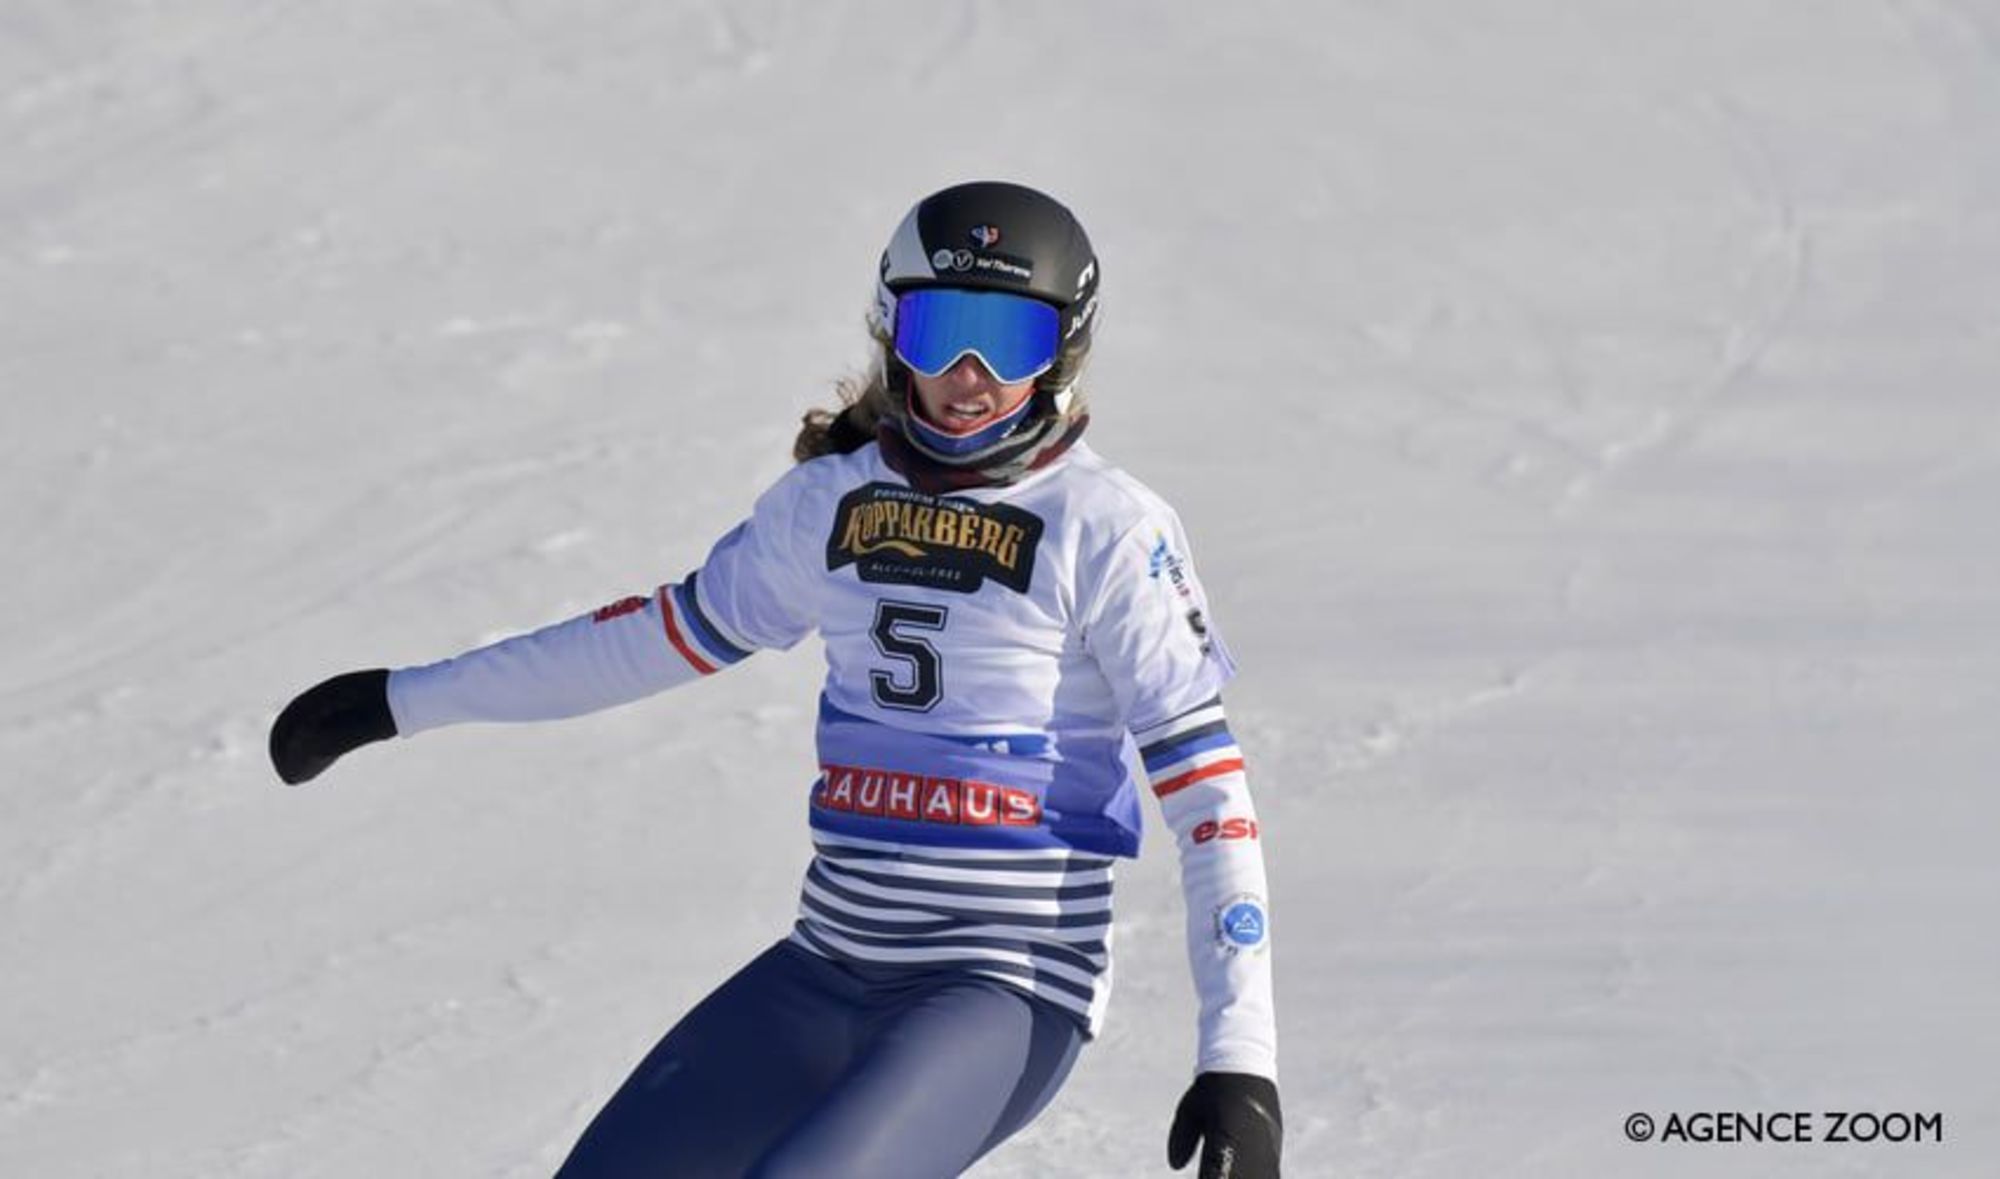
<point x="706" y="644"/>
<point x="1192" y="747"/>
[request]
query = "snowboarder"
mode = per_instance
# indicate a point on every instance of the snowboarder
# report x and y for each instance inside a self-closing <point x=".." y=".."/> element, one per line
<point x="1000" y="608"/>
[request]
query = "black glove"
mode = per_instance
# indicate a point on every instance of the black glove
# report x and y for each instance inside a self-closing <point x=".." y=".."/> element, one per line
<point x="1236" y="1117"/>
<point x="329" y="719"/>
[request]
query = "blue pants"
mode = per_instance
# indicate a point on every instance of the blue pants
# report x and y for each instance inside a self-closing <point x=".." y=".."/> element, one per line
<point x="801" y="1066"/>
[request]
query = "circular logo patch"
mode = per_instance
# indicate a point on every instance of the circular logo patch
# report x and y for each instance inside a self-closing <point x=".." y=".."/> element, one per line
<point x="1241" y="924"/>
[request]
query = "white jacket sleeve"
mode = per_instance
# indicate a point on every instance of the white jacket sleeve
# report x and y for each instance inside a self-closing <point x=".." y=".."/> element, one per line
<point x="1196" y="771"/>
<point x="746" y="596"/>
<point x="1149" y="629"/>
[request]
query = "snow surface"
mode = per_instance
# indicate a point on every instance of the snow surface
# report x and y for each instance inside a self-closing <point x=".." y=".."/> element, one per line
<point x="1584" y="414"/>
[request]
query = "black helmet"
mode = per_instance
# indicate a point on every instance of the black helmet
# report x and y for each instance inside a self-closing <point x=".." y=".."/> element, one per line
<point x="991" y="235"/>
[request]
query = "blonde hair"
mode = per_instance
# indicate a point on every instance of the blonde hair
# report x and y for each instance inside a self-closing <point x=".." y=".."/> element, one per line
<point x="865" y="400"/>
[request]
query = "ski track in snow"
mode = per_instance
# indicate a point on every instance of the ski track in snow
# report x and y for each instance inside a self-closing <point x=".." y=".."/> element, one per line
<point x="1600" y="525"/>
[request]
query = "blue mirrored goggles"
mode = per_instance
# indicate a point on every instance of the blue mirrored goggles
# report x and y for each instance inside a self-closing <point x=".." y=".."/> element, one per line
<point x="1015" y="337"/>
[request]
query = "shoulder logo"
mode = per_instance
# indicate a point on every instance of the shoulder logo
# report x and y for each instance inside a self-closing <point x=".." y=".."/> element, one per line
<point x="1163" y="559"/>
<point x="900" y="536"/>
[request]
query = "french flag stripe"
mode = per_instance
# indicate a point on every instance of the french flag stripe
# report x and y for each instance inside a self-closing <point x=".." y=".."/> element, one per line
<point x="1194" y="761"/>
<point x="729" y="646"/>
<point x="1176" y="732"/>
<point x="1207" y="712"/>
<point x="699" y="634"/>
<point x="674" y="634"/>
<point x="1233" y="765"/>
<point x="1166" y="753"/>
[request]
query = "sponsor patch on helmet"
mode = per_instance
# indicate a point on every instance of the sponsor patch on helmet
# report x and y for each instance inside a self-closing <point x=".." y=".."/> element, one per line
<point x="1005" y="266"/>
<point x="1240" y="924"/>
<point x="985" y="236"/>
<point x="1082" y="319"/>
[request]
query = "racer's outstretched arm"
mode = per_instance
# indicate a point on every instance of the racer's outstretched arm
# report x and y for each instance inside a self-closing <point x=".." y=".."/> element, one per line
<point x="614" y="655"/>
<point x="623" y="652"/>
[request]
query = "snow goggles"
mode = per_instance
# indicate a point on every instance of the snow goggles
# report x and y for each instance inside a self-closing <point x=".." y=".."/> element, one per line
<point x="1015" y="337"/>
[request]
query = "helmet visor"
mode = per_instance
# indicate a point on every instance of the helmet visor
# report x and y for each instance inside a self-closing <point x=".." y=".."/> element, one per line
<point x="1015" y="337"/>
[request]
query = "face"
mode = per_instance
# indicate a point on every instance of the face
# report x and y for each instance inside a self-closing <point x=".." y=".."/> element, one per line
<point x="965" y="396"/>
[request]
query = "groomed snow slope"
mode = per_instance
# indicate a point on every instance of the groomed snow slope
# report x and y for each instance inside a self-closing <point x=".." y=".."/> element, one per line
<point x="1585" y="416"/>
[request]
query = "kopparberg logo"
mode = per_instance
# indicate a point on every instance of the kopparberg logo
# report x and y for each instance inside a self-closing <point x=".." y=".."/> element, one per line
<point x="900" y="536"/>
